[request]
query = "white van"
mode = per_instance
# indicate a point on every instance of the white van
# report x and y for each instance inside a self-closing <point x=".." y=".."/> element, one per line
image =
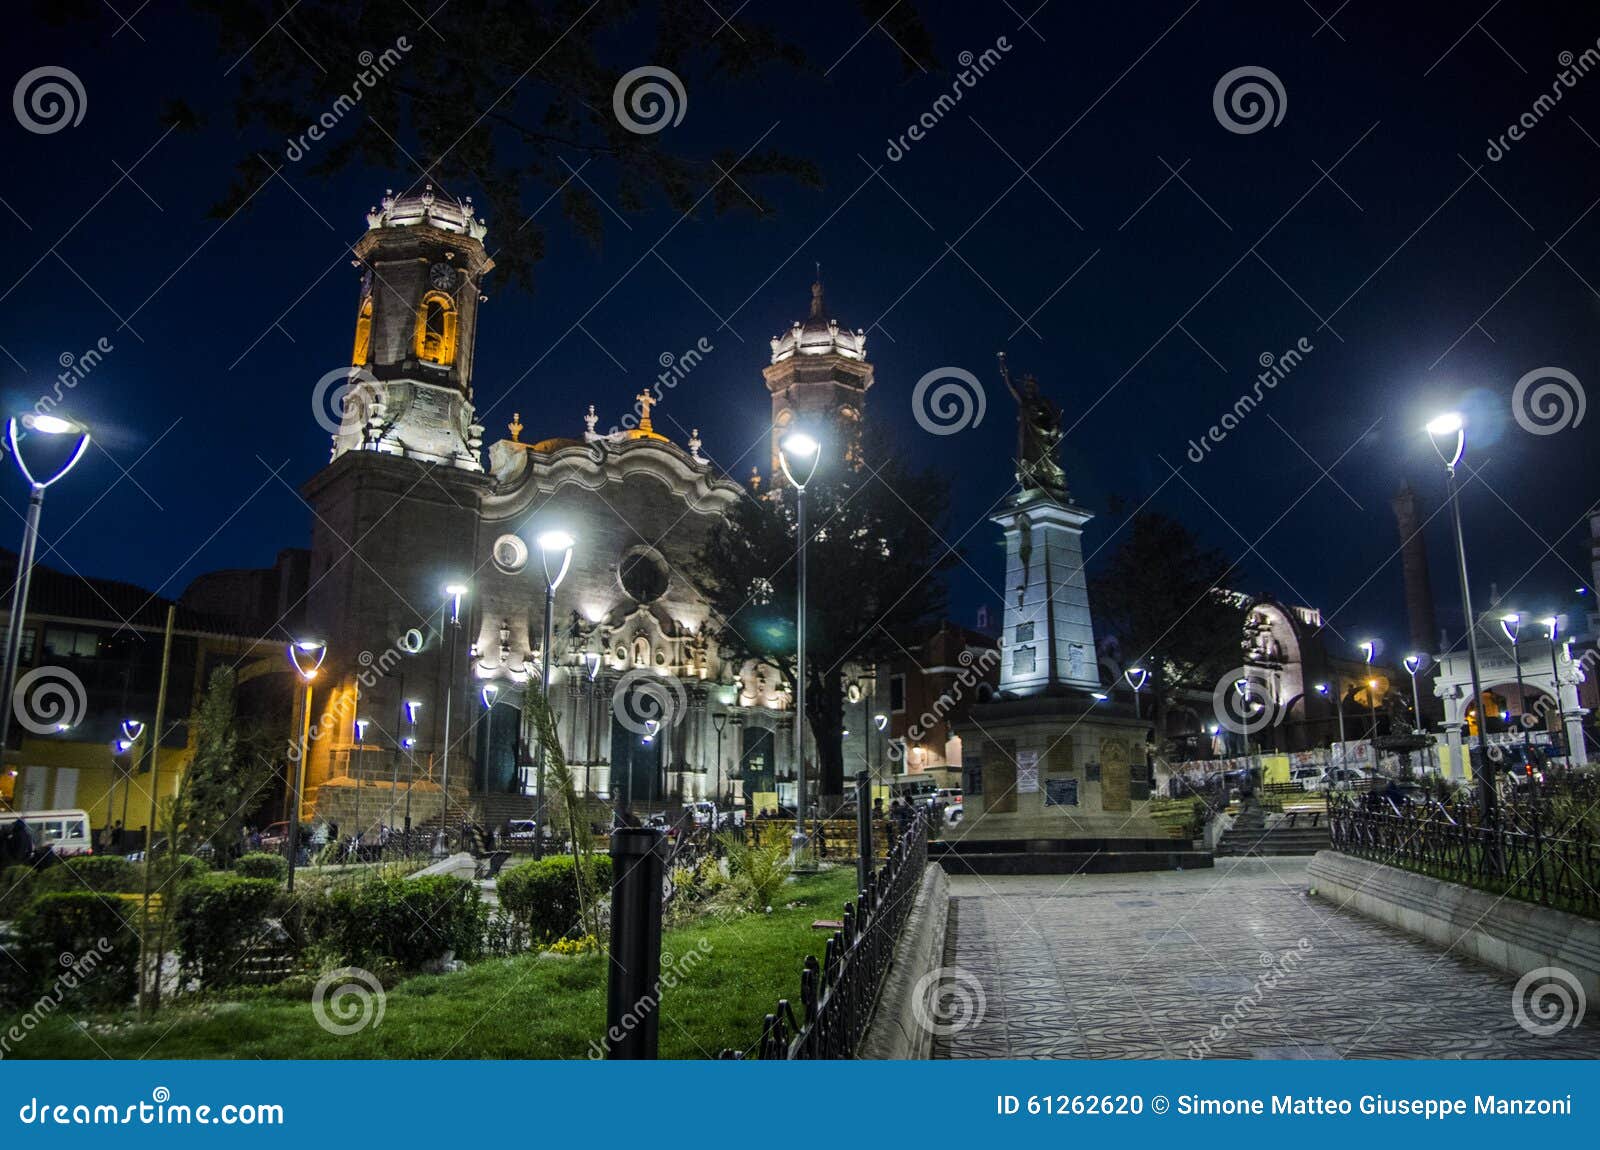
<point x="66" y="833"/>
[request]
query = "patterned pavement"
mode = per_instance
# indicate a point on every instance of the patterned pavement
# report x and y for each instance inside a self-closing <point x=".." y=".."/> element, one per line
<point x="1236" y="962"/>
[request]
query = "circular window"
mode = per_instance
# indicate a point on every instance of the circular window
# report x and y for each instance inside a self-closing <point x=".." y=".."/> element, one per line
<point x="510" y="554"/>
<point x="643" y="575"/>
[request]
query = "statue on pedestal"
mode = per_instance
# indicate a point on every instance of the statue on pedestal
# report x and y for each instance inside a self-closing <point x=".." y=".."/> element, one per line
<point x="1038" y="436"/>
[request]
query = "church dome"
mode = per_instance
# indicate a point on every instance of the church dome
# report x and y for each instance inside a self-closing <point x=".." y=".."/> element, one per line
<point x="435" y="209"/>
<point x="819" y="335"/>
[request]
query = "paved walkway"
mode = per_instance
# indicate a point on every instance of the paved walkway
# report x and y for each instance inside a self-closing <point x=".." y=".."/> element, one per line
<point x="1236" y="962"/>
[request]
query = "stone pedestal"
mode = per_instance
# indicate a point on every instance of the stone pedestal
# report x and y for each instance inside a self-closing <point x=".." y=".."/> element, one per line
<point x="1049" y="633"/>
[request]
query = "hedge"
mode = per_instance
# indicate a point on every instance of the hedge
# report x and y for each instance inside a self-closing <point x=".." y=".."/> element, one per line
<point x="260" y="864"/>
<point x="105" y="873"/>
<point x="217" y="919"/>
<point x="544" y="895"/>
<point x="18" y="884"/>
<point x="75" y="948"/>
<point x="412" y="921"/>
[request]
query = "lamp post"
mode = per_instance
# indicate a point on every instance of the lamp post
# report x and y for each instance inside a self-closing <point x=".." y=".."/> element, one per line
<point x="128" y="745"/>
<point x="1448" y="427"/>
<point x="454" y="593"/>
<point x="799" y="454"/>
<point x="1136" y="677"/>
<point x="1322" y="689"/>
<point x="1512" y="626"/>
<point x="1413" y="664"/>
<point x="881" y="721"/>
<point x="51" y="426"/>
<point x="1553" y="626"/>
<point x="551" y="545"/>
<point x="361" y="746"/>
<point x="305" y="656"/>
<point x="409" y="742"/>
<point x="490" y="692"/>
<point x="1242" y="686"/>
<point x="718" y="722"/>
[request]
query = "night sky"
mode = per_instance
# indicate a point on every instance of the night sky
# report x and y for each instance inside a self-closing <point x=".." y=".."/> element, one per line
<point x="1356" y="223"/>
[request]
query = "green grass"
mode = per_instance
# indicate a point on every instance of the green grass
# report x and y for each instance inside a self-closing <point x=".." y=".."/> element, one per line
<point x="524" y="1007"/>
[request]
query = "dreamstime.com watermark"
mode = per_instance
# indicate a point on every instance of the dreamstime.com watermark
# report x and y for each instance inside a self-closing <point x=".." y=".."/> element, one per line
<point x="1547" y="1001"/>
<point x="948" y="1000"/>
<point x="1275" y="369"/>
<point x="373" y="69"/>
<point x="644" y="702"/>
<point x="674" y="369"/>
<point x="1276" y="968"/>
<point x="1249" y="99"/>
<point x="973" y="69"/>
<point x="947" y="400"/>
<point x="1548" y="400"/>
<point x="648" y="99"/>
<point x="348" y="1000"/>
<point x="78" y="968"/>
<point x="48" y="700"/>
<point x="674" y="969"/>
<point x="1573" y="69"/>
<point x="974" y="668"/>
<point x="159" y="1111"/>
<point x="48" y="99"/>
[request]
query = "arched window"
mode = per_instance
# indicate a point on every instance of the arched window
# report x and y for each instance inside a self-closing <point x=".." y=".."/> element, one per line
<point x="436" y="328"/>
<point x="363" y="348"/>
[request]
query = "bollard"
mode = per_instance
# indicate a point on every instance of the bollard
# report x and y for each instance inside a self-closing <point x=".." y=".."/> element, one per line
<point x="863" y="829"/>
<point x="633" y="1005"/>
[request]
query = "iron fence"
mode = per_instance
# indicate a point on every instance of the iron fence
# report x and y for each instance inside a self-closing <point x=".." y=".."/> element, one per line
<point x="837" y="995"/>
<point x="1541" y="847"/>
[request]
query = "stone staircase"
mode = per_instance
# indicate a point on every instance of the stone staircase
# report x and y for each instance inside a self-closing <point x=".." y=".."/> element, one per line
<point x="1250" y="835"/>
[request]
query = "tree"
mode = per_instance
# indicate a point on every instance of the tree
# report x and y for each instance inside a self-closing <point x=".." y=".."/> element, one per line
<point x="507" y="99"/>
<point x="1159" y="595"/>
<point x="873" y="566"/>
<point x="225" y="776"/>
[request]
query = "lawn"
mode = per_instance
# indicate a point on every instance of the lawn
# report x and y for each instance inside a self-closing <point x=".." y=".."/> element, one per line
<point x="524" y="1007"/>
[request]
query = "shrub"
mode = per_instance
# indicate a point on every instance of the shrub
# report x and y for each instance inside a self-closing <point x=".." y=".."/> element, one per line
<point x="757" y="870"/>
<point x="18" y="884"/>
<point x="262" y="865"/>
<point x="217" y="919"/>
<point x="105" y="873"/>
<point x="412" y="921"/>
<point x="544" y="894"/>
<point x="76" y="947"/>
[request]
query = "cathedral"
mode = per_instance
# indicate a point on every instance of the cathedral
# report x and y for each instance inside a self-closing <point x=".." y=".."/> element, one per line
<point x="440" y="563"/>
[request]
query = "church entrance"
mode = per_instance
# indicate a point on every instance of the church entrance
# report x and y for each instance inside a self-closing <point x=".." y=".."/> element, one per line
<point x="635" y="768"/>
<point x="757" y="764"/>
<point x="498" y="730"/>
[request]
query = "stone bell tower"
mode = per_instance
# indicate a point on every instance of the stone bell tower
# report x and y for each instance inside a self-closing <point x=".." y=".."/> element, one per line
<point x="422" y="262"/>
<point x="819" y="376"/>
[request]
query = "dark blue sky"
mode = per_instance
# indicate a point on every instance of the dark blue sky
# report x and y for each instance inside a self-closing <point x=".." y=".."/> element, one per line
<point x="1188" y="280"/>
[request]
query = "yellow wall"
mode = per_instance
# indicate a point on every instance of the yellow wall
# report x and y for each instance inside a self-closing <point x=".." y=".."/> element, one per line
<point x="1274" y="768"/>
<point x="96" y="779"/>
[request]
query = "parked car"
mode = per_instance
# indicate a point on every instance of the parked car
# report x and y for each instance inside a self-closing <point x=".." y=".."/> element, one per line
<point x="1345" y="777"/>
<point x="521" y="830"/>
<point x="953" y="810"/>
<point x="1309" y="778"/>
<point x="275" y="837"/>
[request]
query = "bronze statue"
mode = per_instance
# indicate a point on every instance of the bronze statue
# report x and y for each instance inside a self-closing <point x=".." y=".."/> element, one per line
<point x="1038" y="436"/>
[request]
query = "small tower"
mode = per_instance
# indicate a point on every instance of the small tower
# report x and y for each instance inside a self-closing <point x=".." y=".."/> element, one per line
<point x="422" y="264"/>
<point x="819" y="376"/>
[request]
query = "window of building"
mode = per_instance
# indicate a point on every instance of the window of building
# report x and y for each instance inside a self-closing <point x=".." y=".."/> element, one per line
<point x="363" y="349"/>
<point x="897" y="693"/>
<point x="66" y="643"/>
<point x="29" y="639"/>
<point x="1024" y="632"/>
<point x="436" y="328"/>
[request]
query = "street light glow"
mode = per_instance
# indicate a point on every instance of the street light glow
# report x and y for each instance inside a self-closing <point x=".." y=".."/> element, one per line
<point x="799" y="452"/>
<point x="1447" y="424"/>
<point x="1509" y="624"/>
<point x="555" y="541"/>
<point x="48" y="424"/>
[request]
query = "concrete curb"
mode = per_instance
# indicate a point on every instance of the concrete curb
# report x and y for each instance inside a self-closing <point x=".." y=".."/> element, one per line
<point x="894" y="1032"/>
<point x="1505" y="933"/>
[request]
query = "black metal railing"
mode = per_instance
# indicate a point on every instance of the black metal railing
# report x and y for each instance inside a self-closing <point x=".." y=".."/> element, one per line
<point x="1536" y="849"/>
<point x="837" y="995"/>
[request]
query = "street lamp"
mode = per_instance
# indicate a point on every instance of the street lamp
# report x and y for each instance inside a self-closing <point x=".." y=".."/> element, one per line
<point x="490" y="692"/>
<point x="454" y="592"/>
<point x="551" y="545"/>
<point x="1450" y="430"/>
<point x="51" y="426"/>
<point x="718" y="722"/>
<point x="1553" y="625"/>
<point x="1136" y="677"/>
<point x="409" y="742"/>
<point x="1512" y="625"/>
<point x="881" y="721"/>
<point x="1242" y="686"/>
<point x="1322" y="689"/>
<point x="800" y="453"/>
<point x="1372" y="708"/>
<point x="1413" y="664"/>
<point x="305" y="656"/>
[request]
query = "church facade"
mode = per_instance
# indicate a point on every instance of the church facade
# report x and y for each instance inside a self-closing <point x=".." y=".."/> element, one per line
<point x="423" y="689"/>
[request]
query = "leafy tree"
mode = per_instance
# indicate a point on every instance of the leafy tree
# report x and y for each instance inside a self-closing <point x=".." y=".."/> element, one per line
<point x="507" y="99"/>
<point x="873" y="562"/>
<point x="1158" y="595"/>
<point x="225" y="777"/>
